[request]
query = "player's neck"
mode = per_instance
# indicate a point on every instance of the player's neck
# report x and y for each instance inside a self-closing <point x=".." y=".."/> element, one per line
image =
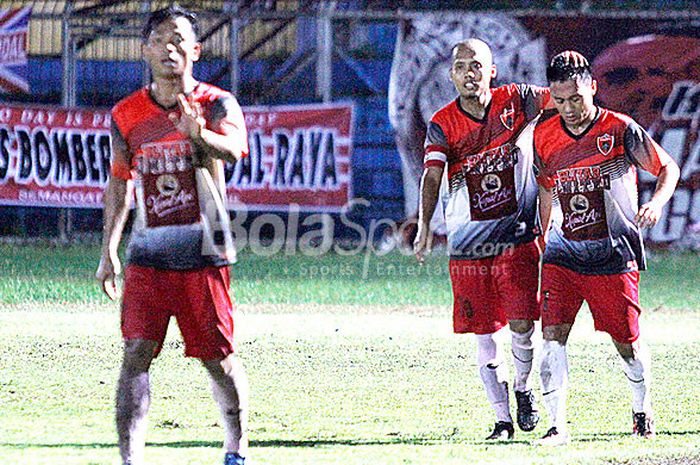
<point x="476" y="106"/>
<point x="165" y="90"/>
<point x="581" y="127"/>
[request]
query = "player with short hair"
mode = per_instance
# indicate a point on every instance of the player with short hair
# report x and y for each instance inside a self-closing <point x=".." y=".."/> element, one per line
<point x="168" y="143"/>
<point x="587" y="159"/>
<point x="491" y="214"/>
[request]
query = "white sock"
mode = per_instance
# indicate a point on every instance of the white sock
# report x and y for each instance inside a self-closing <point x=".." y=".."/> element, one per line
<point x="523" y="353"/>
<point x="494" y="374"/>
<point x="638" y="372"/>
<point x="554" y="372"/>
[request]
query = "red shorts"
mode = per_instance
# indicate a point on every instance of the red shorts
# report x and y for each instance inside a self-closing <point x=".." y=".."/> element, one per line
<point x="490" y="291"/>
<point x="199" y="300"/>
<point x="612" y="298"/>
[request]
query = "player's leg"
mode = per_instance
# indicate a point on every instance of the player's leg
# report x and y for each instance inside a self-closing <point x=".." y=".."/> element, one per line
<point x="517" y="276"/>
<point x="207" y="327"/>
<point x="636" y="363"/>
<point x="144" y="324"/>
<point x="523" y="352"/>
<point x="521" y="332"/>
<point x="554" y="372"/>
<point x="230" y="389"/>
<point x="133" y="399"/>
<point x="560" y="304"/>
<point x="476" y="310"/>
<point x="494" y="374"/>
<point x="614" y="302"/>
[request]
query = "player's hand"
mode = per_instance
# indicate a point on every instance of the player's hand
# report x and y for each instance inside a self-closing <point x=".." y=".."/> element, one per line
<point x="191" y="120"/>
<point x="574" y="58"/>
<point x="422" y="243"/>
<point x="107" y="272"/>
<point x="648" y="214"/>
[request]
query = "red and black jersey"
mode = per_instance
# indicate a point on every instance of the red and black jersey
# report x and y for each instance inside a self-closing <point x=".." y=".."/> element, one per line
<point x="491" y="196"/>
<point x="594" y="184"/>
<point x="174" y="198"/>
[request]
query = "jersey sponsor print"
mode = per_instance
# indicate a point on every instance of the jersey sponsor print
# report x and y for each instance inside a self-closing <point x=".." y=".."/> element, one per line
<point x="580" y="192"/>
<point x="169" y="188"/>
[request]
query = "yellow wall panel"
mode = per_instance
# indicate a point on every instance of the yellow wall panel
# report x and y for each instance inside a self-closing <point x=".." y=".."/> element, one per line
<point x="45" y="33"/>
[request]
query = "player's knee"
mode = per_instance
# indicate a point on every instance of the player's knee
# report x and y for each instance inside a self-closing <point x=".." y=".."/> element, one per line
<point x="520" y="326"/>
<point x="138" y="354"/>
<point x="214" y="366"/>
<point x="522" y="340"/>
<point x="226" y="366"/>
<point x="558" y="333"/>
<point x="626" y="350"/>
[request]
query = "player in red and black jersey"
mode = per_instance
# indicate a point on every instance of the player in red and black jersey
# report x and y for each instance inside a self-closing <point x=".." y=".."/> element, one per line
<point x="586" y="158"/>
<point x="490" y="206"/>
<point x="168" y="143"/>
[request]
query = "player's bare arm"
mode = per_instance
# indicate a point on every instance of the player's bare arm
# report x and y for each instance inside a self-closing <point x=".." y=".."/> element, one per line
<point x="429" y="190"/>
<point x="650" y="156"/>
<point x="545" y="211"/>
<point x="649" y="213"/>
<point x="191" y="122"/>
<point x="117" y="200"/>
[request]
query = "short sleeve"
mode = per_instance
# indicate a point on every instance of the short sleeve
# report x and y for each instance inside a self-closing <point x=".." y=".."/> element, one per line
<point x="534" y="99"/>
<point x="227" y="118"/>
<point x="120" y="163"/>
<point x="642" y="151"/>
<point x="436" y="147"/>
<point x="538" y="167"/>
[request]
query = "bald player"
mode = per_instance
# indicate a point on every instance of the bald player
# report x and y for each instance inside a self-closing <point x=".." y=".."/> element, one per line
<point x="490" y="209"/>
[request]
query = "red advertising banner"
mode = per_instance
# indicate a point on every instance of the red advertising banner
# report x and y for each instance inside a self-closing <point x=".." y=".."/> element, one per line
<point x="58" y="157"/>
<point x="53" y="157"/>
<point x="298" y="155"/>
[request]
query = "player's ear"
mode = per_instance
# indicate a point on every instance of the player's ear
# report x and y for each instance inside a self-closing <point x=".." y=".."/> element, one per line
<point x="494" y="71"/>
<point x="594" y="86"/>
<point x="197" y="51"/>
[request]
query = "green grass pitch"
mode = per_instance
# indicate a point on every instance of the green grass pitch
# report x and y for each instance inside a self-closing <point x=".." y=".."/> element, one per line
<point x="351" y="361"/>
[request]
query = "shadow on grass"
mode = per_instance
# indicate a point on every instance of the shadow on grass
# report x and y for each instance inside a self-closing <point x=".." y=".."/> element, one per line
<point x="262" y="443"/>
<point x="301" y="443"/>
<point x="622" y="435"/>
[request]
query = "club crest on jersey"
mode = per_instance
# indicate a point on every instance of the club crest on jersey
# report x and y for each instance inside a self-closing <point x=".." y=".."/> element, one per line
<point x="508" y="118"/>
<point x="605" y="144"/>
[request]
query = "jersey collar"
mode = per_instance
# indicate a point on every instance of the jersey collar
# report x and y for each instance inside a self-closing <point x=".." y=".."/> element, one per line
<point x="585" y="131"/>
<point x="472" y="117"/>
